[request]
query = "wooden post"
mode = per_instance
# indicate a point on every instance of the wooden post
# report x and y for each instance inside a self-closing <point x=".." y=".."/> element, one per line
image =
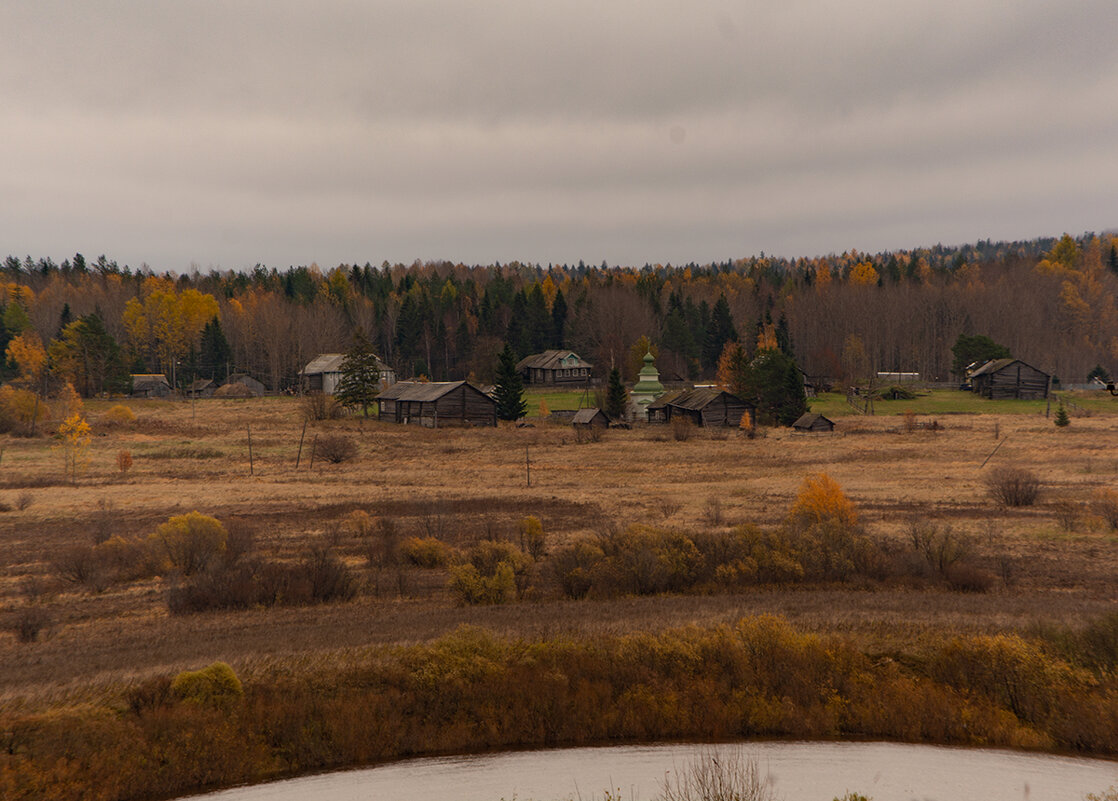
<point x="314" y="444"/>
<point x="527" y="466"/>
<point x="299" y="455"/>
<point x="250" y="464"/>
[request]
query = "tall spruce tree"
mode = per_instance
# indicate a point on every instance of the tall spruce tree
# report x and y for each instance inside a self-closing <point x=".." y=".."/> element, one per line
<point x="617" y="397"/>
<point x="509" y="389"/>
<point x="360" y="381"/>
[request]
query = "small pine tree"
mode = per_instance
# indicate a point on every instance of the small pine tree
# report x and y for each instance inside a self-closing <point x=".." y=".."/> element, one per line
<point x="509" y="389"/>
<point x="1062" y="418"/>
<point x="617" y="397"/>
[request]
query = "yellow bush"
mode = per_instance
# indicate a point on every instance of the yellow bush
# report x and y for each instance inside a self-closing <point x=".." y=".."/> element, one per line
<point x="821" y="500"/>
<point x="531" y="536"/>
<point x="118" y="416"/>
<point x="425" y="552"/>
<point x="191" y="541"/>
<point x="21" y="407"/>
<point x="213" y="686"/>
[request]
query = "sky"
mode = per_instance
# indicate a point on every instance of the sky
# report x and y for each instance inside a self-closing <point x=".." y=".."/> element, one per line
<point x="220" y="135"/>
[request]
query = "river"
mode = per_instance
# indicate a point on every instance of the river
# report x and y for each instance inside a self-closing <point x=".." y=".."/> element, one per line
<point x="798" y="771"/>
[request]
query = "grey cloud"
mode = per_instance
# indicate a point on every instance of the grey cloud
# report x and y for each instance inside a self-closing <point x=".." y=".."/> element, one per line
<point x="239" y="132"/>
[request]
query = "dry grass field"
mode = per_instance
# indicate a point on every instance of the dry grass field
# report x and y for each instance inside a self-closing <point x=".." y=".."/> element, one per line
<point x="1052" y="564"/>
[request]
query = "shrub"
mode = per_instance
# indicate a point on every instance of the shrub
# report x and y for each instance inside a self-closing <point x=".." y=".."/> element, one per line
<point x="682" y="429"/>
<point x="573" y="567"/>
<point x="124" y="460"/>
<point x="320" y="406"/>
<point x="80" y="564"/>
<point x="1013" y="486"/>
<point x="473" y="588"/>
<point x="23" y="500"/>
<point x="939" y="545"/>
<point x="531" y="537"/>
<point x="425" y="552"/>
<point x="214" y="686"/>
<point x="968" y="578"/>
<point x="191" y="541"/>
<point x="327" y="577"/>
<point x="29" y="622"/>
<point x="224" y="587"/>
<point x="335" y="448"/>
<point x="1105" y="504"/>
<point x="718" y="775"/>
<point x="118" y="416"/>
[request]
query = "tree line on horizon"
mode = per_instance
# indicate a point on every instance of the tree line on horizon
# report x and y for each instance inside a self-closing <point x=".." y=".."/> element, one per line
<point x="1050" y="302"/>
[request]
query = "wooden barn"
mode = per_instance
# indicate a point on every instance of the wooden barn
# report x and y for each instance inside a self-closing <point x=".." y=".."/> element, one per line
<point x="1009" y="378"/>
<point x="705" y="406"/>
<point x="554" y="367"/>
<point x="324" y="373"/>
<point x="201" y="388"/>
<point x="437" y="404"/>
<point x="590" y="418"/>
<point x="813" y="422"/>
<point x="150" y="385"/>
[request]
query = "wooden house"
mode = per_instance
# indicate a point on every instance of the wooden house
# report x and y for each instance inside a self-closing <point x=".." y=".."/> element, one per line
<point x="201" y="388"/>
<point x="705" y="406"/>
<point x="150" y="385"/>
<point x="554" y="367"/>
<point x="813" y="422"/>
<point x="437" y="404"/>
<point x="1009" y="378"/>
<point x="590" y="418"/>
<point x="324" y="373"/>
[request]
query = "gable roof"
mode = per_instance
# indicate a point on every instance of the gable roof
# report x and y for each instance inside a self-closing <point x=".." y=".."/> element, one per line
<point x="550" y="360"/>
<point x="332" y="363"/>
<point x="146" y="379"/>
<point x="664" y="400"/>
<point x="698" y="399"/>
<point x="992" y="366"/>
<point x="587" y="415"/>
<point x="424" y="390"/>
<point x="808" y="419"/>
<point x="997" y="365"/>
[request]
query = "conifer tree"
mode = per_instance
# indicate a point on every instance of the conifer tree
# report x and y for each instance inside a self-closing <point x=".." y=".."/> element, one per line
<point x="509" y="389"/>
<point x="617" y="397"/>
<point x="360" y="382"/>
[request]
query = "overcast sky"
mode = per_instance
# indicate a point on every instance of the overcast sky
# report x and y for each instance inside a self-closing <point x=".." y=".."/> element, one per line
<point x="223" y="134"/>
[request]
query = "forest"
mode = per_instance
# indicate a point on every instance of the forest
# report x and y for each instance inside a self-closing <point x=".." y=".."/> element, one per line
<point x="1050" y="302"/>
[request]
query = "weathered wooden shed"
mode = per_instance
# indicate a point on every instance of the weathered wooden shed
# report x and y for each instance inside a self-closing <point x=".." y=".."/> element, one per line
<point x="705" y="406"/>
<point x="590" y="418"/>
<point x="201" y="388"/>
<point x="435" y="404"/>
<point x="813" y="422"/>
<point x="150" y="385"/>
<point x="1010" y="378"/>
<point x="554" y="367"/>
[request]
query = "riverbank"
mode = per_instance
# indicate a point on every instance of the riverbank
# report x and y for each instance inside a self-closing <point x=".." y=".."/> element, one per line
<point x="472" y="691"/>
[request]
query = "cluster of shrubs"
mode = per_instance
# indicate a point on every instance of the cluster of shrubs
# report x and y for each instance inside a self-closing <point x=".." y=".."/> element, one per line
<point x="821" y="540"/>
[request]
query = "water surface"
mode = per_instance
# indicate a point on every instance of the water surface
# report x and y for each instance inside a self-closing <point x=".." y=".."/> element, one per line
<point x="798" y="772"/>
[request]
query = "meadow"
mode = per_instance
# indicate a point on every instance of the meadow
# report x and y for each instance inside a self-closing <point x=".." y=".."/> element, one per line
<point x="1038" y="587"/>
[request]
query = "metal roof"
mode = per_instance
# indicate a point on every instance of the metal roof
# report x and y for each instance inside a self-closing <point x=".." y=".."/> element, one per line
<point x="992" y="366"/>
